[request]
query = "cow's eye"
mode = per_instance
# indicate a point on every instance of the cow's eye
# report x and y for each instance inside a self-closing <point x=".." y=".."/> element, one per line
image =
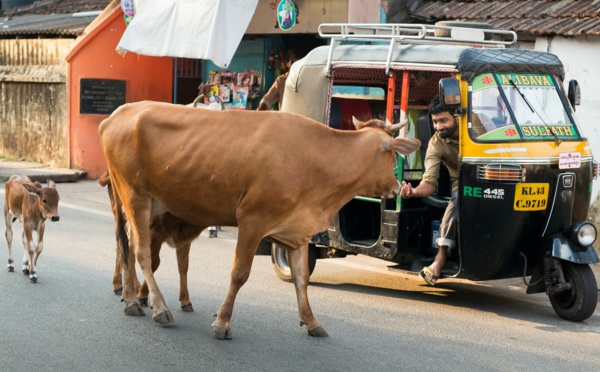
<point x="44" y="201"/>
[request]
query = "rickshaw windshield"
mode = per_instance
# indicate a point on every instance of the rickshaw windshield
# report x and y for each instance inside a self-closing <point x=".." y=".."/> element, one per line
<point x="517" y="107"/>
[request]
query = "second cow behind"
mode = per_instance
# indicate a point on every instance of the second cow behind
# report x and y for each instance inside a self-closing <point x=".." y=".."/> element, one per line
<point x="164" y="228"/>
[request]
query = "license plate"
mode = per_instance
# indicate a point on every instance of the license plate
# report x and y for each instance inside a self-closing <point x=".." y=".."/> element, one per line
<point x="531" y="196"/>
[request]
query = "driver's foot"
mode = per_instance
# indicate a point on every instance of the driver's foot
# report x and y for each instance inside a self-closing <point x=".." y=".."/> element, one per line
<point x="439" y="261"/>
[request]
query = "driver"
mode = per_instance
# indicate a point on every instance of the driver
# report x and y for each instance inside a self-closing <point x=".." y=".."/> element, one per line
<point x="442" y="148"/>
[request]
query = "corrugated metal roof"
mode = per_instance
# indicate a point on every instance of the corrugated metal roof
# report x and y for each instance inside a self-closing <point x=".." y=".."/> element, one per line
<point x="57" y="7"/>
<point x="50" y="18"/>
<point x="49" y="24"/>
<point x="540" y="17"/>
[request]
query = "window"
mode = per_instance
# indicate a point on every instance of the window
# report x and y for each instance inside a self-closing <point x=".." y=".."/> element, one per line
<point x="518" y="107"/>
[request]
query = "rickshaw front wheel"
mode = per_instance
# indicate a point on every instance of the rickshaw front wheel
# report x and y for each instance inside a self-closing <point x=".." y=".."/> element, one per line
<point x="579" y="302"/>
<point x="282" y="267"/>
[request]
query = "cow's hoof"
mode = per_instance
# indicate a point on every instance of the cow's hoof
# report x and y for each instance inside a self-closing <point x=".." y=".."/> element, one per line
<point x="134" y="310"/>
<point x="318" y="331"/>
<point x="33" y="279"/>
<point x="10" y="269"/>
<point x="118" y="291"/>
<point x="143" y="302"/>
<point x="187" y="308"/>
<point x="25" y="271"/>
<point x="220" y="333"/>
<point x="165" y="318"/>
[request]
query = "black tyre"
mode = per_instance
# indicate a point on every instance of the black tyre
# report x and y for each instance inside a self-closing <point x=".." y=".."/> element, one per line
<point x="580" y="301"/>
<point x="280" y="262"/>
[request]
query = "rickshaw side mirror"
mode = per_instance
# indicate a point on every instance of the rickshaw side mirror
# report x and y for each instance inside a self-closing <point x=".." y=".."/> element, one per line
<point x="450" y="92"/>
<point x="574" y="93"/>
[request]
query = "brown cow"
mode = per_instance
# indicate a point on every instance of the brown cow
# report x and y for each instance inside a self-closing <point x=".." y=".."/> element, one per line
<point x="32" y="204"/>
<point x="275" y="175"/>
<point x="163" y="228"/>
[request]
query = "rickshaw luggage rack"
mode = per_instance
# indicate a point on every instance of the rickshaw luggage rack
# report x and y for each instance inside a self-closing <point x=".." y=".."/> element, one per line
<point x="409" y="33"/>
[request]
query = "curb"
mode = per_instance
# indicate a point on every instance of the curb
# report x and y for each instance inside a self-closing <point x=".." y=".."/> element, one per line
<point x="39" y="172"/>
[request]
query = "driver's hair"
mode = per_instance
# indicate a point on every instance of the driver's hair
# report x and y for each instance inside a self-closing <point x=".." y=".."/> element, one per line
<point x="437" y="107"/>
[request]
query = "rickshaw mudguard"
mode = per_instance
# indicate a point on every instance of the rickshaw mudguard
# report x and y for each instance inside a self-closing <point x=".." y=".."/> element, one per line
<point x="560" y="247"/>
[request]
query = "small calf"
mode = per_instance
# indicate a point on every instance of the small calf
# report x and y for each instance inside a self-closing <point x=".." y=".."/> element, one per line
<point x="32" y="204"/>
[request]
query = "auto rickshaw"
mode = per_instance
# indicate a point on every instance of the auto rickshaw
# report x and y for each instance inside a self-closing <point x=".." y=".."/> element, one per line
<point x="525" y="168"/>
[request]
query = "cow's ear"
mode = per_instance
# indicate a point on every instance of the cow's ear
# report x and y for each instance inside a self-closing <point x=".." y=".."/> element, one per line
<point x="31" y="188"/>
<point x="51" y="183"/>
<point x="405" y="145"/>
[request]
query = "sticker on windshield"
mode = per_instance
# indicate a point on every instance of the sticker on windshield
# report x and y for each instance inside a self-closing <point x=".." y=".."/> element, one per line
<point x="548" y="132"/>
<point x="568" y="160"/>
<point x="531" y="196"/>
<point x="526" y="80"/>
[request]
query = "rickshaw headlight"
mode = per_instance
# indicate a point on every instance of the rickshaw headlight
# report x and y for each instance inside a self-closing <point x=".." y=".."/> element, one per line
<point x="584" y="233"/>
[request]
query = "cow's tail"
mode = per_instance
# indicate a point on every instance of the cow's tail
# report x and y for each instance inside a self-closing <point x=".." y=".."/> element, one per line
<point x="104" y="180"/>
<point x="122" y="238"/>
<point x="116" y="205"/>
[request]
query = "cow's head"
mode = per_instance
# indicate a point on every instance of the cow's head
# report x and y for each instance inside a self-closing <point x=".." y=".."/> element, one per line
<point x="386" y="185"/>
<point x="47" y="199"/>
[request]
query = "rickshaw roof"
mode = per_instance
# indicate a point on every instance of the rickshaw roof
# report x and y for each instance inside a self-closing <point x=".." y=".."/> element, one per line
<point x="467" y="60"/>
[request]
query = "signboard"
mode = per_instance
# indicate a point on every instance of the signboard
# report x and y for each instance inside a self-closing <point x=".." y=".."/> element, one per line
<point x="101" y="96"/>
<point x="286" y="14"/>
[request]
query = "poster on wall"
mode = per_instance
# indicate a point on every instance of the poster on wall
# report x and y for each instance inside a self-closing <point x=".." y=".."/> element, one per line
<point x="286" y="14"/>
<point x="240" y="96"/>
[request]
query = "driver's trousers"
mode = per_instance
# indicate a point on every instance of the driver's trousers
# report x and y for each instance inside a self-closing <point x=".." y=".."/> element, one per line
<point x="449" y="224"/>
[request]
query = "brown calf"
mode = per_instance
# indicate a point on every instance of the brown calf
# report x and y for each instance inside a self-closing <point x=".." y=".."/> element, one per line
<point x="163" y="228"/>
<point x="32" y="204"/>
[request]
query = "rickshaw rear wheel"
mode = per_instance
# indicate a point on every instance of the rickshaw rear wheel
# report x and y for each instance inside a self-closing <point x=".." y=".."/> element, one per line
<point x="580" y="301"/>
<point x="282" y="267"/>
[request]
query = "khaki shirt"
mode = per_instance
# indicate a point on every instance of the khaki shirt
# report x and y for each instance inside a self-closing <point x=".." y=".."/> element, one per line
<point x="441" y="150"/>
<point x="275" y="93"/>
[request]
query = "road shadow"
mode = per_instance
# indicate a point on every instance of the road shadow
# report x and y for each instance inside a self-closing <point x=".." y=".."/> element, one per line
<point x="505" y="298"/>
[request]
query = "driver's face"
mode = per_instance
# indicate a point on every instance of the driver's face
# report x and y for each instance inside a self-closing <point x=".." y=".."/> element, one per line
<point x="445" y="124"/>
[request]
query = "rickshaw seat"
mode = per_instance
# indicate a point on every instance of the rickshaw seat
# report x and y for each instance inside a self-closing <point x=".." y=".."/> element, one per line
<point x="425" y="131"/>
<point x="343" y="109"/>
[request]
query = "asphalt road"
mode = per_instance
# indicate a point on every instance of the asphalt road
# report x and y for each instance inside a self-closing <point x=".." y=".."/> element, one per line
<point x="377" y="319"/>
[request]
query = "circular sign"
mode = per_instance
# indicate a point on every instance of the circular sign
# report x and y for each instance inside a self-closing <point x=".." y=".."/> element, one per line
<point x="286" y="14"/>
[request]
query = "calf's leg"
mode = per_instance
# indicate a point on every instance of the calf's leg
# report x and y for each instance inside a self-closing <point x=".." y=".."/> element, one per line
<point x="25" y="263"/>
<point x="298" y="261"/>
<point x="30" y="251"/>
<point x="9" y="237"/>
<point x="39" y="247"/>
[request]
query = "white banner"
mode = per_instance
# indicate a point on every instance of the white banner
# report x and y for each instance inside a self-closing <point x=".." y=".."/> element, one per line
<point x="199" y="29"/>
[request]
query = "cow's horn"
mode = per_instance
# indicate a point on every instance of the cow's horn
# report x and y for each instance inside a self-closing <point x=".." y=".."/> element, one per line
<point x="355" y="121"/>
<point x="396" y="127"/>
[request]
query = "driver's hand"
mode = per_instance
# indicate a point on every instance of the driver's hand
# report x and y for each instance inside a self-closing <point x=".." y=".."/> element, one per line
<point x="406" y="191"/>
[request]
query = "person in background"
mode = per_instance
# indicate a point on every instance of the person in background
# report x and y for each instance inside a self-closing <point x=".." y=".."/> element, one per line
<point x="275" y="93"/>
<point x="443" y="148"/>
